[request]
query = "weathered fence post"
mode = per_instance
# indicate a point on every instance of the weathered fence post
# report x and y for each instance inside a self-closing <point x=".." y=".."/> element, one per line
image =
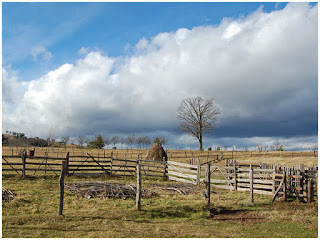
<point x="198" y="172"/>
<point x="61" y="185"/>
<point x="284" y="183"/>
<point x="24" y="157"/>
<point x="138" y="193"/>
<point x="208" y="185"/>
<point x="165" y="168"/>
<point x="310" y="193"/>
<point x="235" y="176"/>
<point x="67" y="162"/>
<point x="111" y="163"/>
<point x="251" y="184"/>
<point x="274" y="180"/>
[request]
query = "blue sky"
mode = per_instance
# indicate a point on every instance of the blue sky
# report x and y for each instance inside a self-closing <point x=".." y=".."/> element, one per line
<point x="66" y="62"/>
<point x="64" y="28"/>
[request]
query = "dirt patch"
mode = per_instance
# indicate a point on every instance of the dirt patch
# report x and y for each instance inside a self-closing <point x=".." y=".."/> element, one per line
<point x="238" y="216"/>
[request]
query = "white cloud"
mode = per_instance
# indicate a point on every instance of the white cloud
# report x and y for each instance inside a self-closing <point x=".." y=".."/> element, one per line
<point x="266" y="68"/>
<point x="84" y="51"/>
<point x="41" y="52"/>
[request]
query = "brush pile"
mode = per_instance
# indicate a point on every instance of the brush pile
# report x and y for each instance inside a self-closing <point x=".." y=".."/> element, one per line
<point x="7" y="195"/>
<point x="105" y="190"/>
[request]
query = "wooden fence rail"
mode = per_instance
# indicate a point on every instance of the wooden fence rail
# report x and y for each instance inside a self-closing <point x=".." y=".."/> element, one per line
<point x="81" y="166"/>
<point x="300" y="182"/>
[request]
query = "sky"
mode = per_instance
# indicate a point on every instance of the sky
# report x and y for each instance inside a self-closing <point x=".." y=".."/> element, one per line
<point x="71" y="69"/>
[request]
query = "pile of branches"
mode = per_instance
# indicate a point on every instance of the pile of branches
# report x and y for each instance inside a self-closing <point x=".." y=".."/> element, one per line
<point x="7" y="195"/>
<point x="105" y="190"/>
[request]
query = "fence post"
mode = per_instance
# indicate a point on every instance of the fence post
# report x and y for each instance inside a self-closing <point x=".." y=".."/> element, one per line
<point x="138" y="193"/>
<point x="208" y="184"/>
<point x="24" y="157"/>
<point x="198" y="172"/>
<point x="284" y="183"/>
<point x="274" y="180"/>
<point x="165" y="168"/>
<point x="67" y="162"/>
<point x="235" y="176"/>
<point x="251" y="184"/>
<point x="310" y="193"/>
<point x="111" y="156"/>
<point x="61" y="185"/>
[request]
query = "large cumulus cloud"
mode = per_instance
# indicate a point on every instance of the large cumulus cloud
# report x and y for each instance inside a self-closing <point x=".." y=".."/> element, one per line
<point x="261" y="70"/>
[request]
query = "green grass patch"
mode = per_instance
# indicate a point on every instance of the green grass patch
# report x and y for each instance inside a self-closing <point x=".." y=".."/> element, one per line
<point x="34" y="213"/>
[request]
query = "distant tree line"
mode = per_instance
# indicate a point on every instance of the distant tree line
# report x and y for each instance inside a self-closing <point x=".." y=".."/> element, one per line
<point x="130" y="141"/>
<point x="98" y="141"/>
<point x="20" y="140"/>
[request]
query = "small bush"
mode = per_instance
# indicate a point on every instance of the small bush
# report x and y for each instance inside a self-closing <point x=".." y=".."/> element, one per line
<point x="209" y="149"/>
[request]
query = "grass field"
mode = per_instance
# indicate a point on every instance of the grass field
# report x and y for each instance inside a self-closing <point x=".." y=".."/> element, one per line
<point x="34" y="210"/>
<point x="284" y="157"/>
<point x="34" y="213"/>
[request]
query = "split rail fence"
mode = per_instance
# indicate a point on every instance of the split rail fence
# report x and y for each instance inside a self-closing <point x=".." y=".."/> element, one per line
<point x="288" y="181"/>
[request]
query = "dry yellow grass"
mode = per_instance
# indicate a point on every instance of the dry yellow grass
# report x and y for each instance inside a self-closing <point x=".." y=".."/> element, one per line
<point x="285" y="157"/>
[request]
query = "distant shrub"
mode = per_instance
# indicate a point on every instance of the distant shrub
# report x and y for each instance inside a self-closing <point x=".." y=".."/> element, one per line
<point x="114" y="148"/>
<point x="209" y="149"/>
<point x="218" y="149"/>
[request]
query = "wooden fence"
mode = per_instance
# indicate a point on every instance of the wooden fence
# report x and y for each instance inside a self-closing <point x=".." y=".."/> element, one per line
<point x="289" y="181"/>
<point x="298" y="181"/>
<point x="83" y="166"/>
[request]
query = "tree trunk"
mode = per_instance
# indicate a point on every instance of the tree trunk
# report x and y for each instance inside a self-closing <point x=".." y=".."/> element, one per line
<point x="200" y="141"/>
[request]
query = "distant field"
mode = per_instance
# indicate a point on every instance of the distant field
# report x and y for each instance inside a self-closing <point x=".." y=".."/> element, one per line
<point x="185" y="156"/>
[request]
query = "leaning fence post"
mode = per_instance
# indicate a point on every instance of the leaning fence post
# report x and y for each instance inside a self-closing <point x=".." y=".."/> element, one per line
<point x="24" y="156"/>
<point x="61" y="185"/>
<point x="251" y="183"/>
<point x="138" y="193"/>
<point x="208" y="184"/>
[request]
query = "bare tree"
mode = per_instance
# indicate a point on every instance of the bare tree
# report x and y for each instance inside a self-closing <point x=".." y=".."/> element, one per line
<point x="107" y="141"/>
<point x="163" y="140"/>
<point x="277" y="146"/>
<point x="198" y="116"/>
<point x="148" y="142"/>
<point x="131" y="140"/>
<point x="65" y="140"/>
<point x="87" y="140"/>
<point x="122" y="141"/>
<point x="81" y="140"/>
<point x="115" y="140"/>
<point x="139" y="141"/>
<point x="260" y="146"/>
